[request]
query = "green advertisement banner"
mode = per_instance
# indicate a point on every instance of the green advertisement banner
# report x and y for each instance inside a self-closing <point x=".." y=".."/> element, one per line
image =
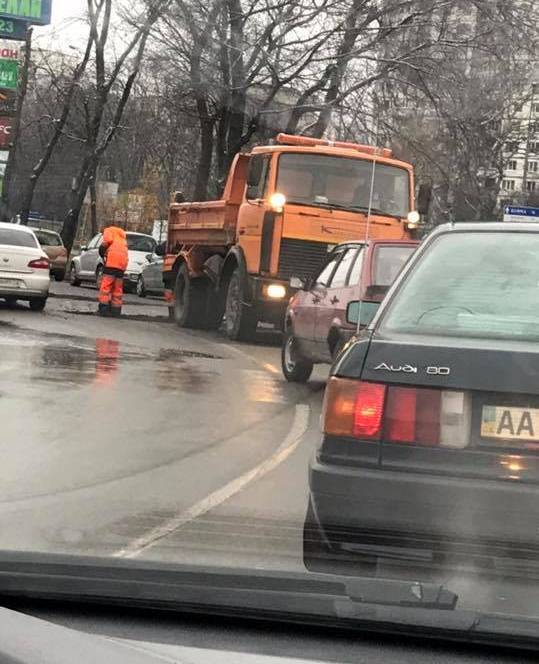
<point x="33" y="11"/>
<point x="9" y="74"/>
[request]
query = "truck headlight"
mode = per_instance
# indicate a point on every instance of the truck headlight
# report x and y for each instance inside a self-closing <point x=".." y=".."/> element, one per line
<point x="276" y="291"/>
<point x="277" y="201"/>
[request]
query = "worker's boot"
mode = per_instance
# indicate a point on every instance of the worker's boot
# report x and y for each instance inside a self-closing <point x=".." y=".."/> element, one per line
<point x="116" y="312"/>
<point x="104" y="309"/>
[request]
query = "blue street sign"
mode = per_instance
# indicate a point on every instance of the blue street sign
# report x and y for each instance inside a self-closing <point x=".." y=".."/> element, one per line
<point x="520" y="213"/>
<point x="37" y="12"/>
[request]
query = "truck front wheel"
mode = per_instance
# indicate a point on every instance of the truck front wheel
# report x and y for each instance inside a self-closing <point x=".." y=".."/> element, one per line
<point x="189" y="300"/>
<point x="240" y="320"/>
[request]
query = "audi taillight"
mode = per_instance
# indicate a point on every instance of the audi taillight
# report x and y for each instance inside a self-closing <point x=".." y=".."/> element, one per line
<point x="354" y="408"/>
<point x="394" y="414"/>
<point x="40" y="264"/>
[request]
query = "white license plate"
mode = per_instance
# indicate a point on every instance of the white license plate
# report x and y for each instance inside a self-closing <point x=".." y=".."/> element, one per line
<point x="510" y="423"/>
<point x="10" y="283"/>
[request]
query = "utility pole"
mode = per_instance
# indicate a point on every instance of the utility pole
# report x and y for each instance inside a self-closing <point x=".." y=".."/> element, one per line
<point x="6" y="203"/>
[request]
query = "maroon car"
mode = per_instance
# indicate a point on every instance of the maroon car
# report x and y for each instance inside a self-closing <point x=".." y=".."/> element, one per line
<point x="315" y="326"/>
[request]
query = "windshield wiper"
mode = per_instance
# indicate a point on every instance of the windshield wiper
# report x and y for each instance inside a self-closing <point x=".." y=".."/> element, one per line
<point x="375" y="210"/>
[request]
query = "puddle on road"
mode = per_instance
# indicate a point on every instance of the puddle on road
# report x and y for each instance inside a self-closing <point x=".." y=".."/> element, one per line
<point x="68" y="361"/>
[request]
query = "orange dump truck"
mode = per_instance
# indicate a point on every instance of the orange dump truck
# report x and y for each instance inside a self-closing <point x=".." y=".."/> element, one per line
<point x="283" y="208"/>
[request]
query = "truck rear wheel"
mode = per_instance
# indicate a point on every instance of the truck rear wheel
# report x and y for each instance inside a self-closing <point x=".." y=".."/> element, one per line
<point x="240" y="320"/>
<point x="189" y="308"/>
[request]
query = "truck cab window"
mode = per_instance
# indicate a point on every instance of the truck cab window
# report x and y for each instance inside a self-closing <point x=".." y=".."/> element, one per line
<point x="257" y="177"/>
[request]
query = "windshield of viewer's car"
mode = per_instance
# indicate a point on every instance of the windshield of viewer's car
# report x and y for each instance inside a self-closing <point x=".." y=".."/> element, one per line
<point x="141" y="243"/>
<point x="294" y="389"/>
<point x="483" y="285"/>
<point x="337" y="181"/>
<point x="16" y="238"/>
<point x="48" y="239"/>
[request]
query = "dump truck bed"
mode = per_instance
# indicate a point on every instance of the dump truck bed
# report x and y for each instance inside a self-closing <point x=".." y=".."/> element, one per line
<point x="208" y="223"/>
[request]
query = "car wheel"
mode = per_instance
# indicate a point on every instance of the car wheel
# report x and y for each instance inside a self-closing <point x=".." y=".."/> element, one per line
<point x="99" y="277"/>
<point x="320" y="557"/>
<point x="38" y="303"/>
<point x="59" y="276"/>
<point x="296" y="369"/>
<point x="141" y="290"/>
<point x="189" y="300"/>
<point x="240" y="321"/>
<point x="73" y="277"/>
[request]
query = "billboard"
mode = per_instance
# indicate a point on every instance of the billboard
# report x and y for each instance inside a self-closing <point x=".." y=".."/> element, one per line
<point x="5" y="132"/>
<point x="37" y="12"/>
<point x="9" y="73"/>
<point x="10" y="29"/>
<point x="8" y="102"/>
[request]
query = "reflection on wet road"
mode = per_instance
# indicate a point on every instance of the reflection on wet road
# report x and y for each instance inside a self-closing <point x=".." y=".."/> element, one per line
<point x="106" y="410"/>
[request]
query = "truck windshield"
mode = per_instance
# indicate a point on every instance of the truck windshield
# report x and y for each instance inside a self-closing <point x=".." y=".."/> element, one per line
<point x="321" y="180"/>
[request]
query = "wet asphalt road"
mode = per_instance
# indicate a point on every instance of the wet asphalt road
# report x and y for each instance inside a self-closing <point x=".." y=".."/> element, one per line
<point x="132" y="438"/>
<point x="118" y="436"/>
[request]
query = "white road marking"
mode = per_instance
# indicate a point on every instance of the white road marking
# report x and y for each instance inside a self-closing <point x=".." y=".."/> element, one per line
<point x="288" y="446"/>
<point x="265" y="365"/>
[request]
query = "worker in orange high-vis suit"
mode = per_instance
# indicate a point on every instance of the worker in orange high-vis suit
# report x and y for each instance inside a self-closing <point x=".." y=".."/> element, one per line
<point x="113" y="250"/>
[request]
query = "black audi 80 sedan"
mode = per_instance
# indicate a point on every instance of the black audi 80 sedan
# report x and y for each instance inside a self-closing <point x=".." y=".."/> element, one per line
<point x="430" y="449"/>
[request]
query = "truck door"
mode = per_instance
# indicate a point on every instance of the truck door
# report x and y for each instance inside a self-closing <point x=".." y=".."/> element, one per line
<point x="330" y="301"/>
<point x="252" y="212"/>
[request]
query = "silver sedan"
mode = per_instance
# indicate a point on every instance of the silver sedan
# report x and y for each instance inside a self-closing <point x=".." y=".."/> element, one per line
<point x="24" y="267"/>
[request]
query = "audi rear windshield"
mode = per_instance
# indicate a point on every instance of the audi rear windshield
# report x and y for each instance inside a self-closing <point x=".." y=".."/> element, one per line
<point x="483" y="284"/>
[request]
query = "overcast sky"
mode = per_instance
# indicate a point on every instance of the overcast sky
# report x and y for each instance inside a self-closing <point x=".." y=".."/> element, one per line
<point x="66" y="25"/>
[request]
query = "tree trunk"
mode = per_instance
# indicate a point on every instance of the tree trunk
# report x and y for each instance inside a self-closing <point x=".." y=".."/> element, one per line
<point x="205" y="160"/>
<point x="93" y="204"/>
<point x="237" y="72"/>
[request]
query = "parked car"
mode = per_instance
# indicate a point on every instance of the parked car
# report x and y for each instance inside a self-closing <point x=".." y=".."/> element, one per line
<point x="52" y="245"/>
<point x="431" y="421"/>
<point x="24" y="267"/>
<point x="316" y="328"/>
<point x="150" y="280"/>
<point x="88" y="266"/>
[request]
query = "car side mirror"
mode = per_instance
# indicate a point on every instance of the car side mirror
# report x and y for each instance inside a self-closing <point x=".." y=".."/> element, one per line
<point x="352" y="312"/>
<point x="298" y="283"/>
<point x="149" y="258"/>
<point x="361" y="312"/>
<point x="255" y="171"/>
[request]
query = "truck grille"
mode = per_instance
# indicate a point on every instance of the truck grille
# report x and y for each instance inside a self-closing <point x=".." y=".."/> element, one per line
<point x="301" y="258"/>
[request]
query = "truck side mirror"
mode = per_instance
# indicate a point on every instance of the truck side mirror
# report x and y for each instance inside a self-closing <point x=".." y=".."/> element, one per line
<point x="255" y="171"/>
<point x="298" y="283"/>
<point x="423" y="198"/>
